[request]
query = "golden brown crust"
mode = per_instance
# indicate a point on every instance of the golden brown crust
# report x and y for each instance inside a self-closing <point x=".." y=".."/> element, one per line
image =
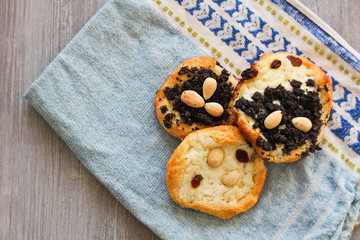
<point x="322" y="81"/>
<point x="177" y="166"/>
<point x="180" y="129"/>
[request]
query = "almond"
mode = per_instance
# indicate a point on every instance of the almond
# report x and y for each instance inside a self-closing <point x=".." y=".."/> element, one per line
<point x="273" y="119"/>
<point x="192" y="99"/>
<point x="302" y="123"/>
<point x="230" y="178"/>
<point x="209" y="87"/>
<point x="215" y="157"/>
<point x="214" y="109"/>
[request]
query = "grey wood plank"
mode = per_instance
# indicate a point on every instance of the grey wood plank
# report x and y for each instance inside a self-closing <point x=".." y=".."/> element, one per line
<point x="45" y="192"/>
<point x="342" y="16"/>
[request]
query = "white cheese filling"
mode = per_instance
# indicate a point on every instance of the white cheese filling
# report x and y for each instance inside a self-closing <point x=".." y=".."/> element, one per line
<point x="211" y="189"/>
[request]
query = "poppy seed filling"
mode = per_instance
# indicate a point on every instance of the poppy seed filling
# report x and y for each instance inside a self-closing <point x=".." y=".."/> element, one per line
<point x="197" y="76"/>
<point x="295" y="103"/>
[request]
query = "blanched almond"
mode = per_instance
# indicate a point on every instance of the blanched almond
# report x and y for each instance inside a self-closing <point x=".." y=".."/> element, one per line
<point x="302" y="123"/>
<point x="214" y="109"/>
<point x="230" y="178"/>
<point x="273" y="119"/>
<point x="209" y="87"/>
<point x="192" y="99"/>
<point x="215" y="157"/>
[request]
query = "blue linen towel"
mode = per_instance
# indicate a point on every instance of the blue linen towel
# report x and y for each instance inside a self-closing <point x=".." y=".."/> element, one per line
<point x="98" y="96"/>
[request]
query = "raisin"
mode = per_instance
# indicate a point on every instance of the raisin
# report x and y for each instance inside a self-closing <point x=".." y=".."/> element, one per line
<point x="195" y="182"/>
<point x="295" y="61"/>
<point x="249" y="73"/>
<point x="276" y="64"/>
<point x="242" y="156"/>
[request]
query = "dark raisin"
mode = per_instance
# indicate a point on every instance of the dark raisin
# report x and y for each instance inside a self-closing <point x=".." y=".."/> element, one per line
<point x="163" y="109"/>
<point x="249" y="73"/>
<point x="276" y="64"/>
<point x="295" y="61"/>
<point x="195" y="182"/>
<point x="242" y="156"/>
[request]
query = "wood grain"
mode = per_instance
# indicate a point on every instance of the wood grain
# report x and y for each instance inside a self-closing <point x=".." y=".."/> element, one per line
<point x="45" y="192"/>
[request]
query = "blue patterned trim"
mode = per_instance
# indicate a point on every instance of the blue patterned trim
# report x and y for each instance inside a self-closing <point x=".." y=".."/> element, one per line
<point x="249" y="19"/>
<point x="355" y="112"/>
<point x="343" y="129"/>
<point x="319" y="33"/>
<point x="346" y="100"/>
<point x="229" y="34"/>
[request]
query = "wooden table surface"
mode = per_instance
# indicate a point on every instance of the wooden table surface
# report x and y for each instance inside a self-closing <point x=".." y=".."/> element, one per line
<point x="45" y="192"/>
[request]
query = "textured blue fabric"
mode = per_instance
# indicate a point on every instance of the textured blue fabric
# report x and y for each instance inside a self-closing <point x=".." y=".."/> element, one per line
<point x="98" y="96"/>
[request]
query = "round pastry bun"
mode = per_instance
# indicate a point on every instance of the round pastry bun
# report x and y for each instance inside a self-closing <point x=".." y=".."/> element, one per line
<point x="300" y="89"/>
<point x="216" y="171"/>
<point x="184" y="119"/>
